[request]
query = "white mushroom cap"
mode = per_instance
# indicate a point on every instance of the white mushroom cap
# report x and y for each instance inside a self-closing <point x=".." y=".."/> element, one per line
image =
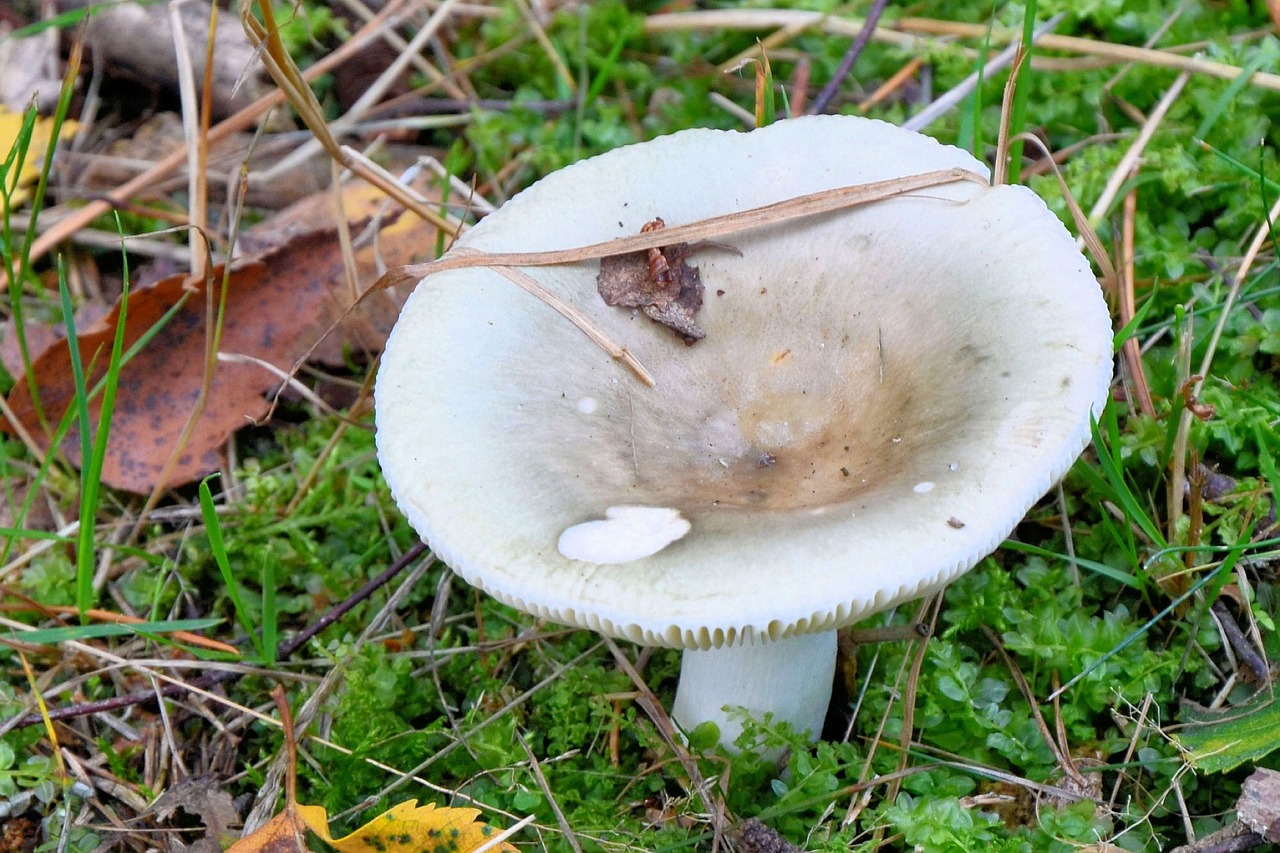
<point x="882" y="394"/>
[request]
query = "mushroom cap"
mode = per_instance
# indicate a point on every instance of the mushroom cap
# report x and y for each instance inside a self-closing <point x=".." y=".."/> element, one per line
<point x="882" y="394"/>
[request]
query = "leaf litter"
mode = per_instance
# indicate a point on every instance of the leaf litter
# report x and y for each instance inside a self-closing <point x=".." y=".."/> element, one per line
<point x="279" y="302"/>
<point x="404" y="828"/>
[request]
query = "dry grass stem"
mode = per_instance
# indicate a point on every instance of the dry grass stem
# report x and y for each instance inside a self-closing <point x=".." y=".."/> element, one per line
<point x="893" y="84"/>
<point x="114" y="618"/>
<point x="391" y="37"/>
<point x="761" y="48"/>
<point x="213" y="336"/>
<point x="541" y="779"/>
<point x="411" y="52"/>
<point x="264" y="805"/>
<point x="1126" y="305"/>
<point x="906" y="32"/>
<point x="117" y="662"/>
<point x="1000" y="173"/>
<point x="167" y="165"/>
<point x="532" y="286"/>
<point x="944" y="104"/>
<point x="1194" y="384"/>
<point x="649" y="703"/>
<point x="544" y="41"/>
<point x="1058" y="747"/>
<point x="265" y="35"/>
<point x="1085" y="233"/>
<point x="196" y="209"/>
<point x="344" y="423"/>
<point x="926" y="613"/>
<point x="1129" y="161"/>
<point x="704" y="229"/>
<point x="743" y="115"/>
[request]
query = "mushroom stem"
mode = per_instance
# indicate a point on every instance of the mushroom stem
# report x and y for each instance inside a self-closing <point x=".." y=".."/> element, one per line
<point x="790" y="678"/>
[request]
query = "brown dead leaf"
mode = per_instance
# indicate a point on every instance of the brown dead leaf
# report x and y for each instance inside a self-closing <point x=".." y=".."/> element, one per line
<point x="659" y="282"/>
<point x="1259" y="804"/>
<point x="278" y="305"/>
<point x="200" y="797"/>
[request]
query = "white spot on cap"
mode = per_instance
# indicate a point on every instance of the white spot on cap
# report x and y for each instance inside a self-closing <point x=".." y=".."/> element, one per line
<point x="588" y="405"/>
<point x="625" y="533"/>
<point x="954" y="466"/>
<point x="922" y="488"/>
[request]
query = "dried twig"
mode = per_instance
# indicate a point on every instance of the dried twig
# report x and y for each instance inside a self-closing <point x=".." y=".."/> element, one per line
<point x="828" y="93"/>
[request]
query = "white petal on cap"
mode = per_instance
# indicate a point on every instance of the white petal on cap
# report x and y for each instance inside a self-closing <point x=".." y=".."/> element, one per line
<point x="625" y="533"/>
<point x="955" y="337"/>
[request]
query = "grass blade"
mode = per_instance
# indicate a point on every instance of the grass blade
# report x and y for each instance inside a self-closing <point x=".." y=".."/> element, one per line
<point x="218" y="548"/>
<point x="51" y="636"/>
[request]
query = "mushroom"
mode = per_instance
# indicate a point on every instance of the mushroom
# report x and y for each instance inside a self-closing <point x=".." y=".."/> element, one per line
<point x="881" y="395"/>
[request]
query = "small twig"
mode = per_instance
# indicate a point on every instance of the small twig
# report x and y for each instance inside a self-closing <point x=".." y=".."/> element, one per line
<point x="927" y="616"/>
<point x="889" y="633"/>
<point x="895" y="82"/>
<point x="412" y="775"/>
<point x="108" y="616"/>
<point x="501" y="836"/>
<point x="1139" y="723"/>
<point x="828" y="93"/>
<point x="1177" y="479"/>
<point x="1233" y="838"/>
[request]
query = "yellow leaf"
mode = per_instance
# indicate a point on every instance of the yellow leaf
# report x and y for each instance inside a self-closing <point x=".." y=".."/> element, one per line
<point x="10" y="128"/>
<point x="409" y="828"/>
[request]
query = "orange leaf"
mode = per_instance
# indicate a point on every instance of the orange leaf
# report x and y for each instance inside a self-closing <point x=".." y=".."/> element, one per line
<point x="284" y="833"/>
<point x="409" y="828"/>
